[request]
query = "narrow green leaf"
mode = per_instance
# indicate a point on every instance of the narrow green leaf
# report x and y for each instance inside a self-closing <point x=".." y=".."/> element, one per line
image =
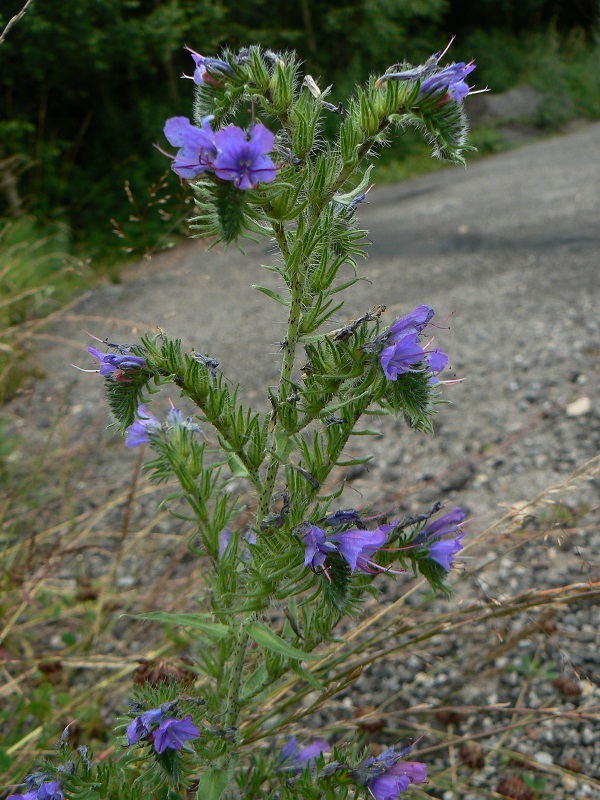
<point x="201" y="622"/>
<point x="353" y="461"/>
<point x="308" y="677"/>
<point x="273" y="295"/>
<point x="266" y="638"/>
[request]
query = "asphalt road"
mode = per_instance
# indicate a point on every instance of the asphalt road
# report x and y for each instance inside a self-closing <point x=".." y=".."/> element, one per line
<point x="509" y="246"/>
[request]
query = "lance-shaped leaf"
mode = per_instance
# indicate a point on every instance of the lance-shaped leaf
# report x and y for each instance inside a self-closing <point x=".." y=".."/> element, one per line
<point x="270" y="641"/>
<point x="201" y="622"/>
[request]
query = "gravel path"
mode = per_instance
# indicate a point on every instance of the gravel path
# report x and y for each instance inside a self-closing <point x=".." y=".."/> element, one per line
<point x="509" y="247"/>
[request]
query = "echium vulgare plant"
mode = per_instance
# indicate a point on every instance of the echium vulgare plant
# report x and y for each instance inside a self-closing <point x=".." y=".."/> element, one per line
<point x="279" y="583"/>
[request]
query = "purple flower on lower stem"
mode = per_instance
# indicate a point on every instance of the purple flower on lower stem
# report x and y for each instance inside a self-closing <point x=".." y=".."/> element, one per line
<point x="443" y="551"/>
<point x="142" y="428"/>
<point x="403" y="351"/>
<point x="47" y="790"/>
<point x="317" y="546"/>
<point x="446" y="524"/>
<point x="401" y="356"/>
<point x="358" y="546"/>
<point x="242" y="156"/>
<point x="387" y="776"/>
<point x="414" y="322"/>
<point x="141" y="726"/>
<point x="295" y="757"/>
<point x="172" y="733"/>
<point x="450" y="80"/>
<point x="196" y="146"/>
<point x="116" y="364"/>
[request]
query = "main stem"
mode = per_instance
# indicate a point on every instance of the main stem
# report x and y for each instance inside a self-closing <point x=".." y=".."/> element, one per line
<point x="287" y="366"/>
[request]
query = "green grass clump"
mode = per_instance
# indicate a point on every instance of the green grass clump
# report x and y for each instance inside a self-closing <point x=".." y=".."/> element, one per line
<point x="38" y="274"/>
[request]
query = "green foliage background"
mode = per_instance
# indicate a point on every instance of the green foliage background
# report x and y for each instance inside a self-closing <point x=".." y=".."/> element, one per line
<point x="87" y="84"/>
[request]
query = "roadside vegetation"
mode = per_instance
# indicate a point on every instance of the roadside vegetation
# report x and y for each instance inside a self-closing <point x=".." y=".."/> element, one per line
<point x="83" y="193"/>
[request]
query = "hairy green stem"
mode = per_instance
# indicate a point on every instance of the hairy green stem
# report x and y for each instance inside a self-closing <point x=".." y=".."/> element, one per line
<point x="238" y="658"/>
<point x="287" y="366"/>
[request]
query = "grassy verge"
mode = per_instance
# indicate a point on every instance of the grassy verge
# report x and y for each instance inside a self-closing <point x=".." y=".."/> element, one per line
<point x="70" y="573"/>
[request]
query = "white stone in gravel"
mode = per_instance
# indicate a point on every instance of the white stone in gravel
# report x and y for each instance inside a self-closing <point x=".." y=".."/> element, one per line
<point x="543" y="758"/>
<point x="569" y="782"/>
<point x="579" y="407"/>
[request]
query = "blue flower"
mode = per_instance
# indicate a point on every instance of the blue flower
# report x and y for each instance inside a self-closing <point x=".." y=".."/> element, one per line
<point x="207" y="69"/>
<point x="355" y="546"/>
<point x="172" y="733"/>
<point x="358" y="546"/>
<point x="295" y="757"/>
<point x="386" y="776"/>
<point x="403" y="351"/>
<point x="317" y="547"/>
<point x="116" y="364"/>
<point x="242" y="156"/>
<point x="141" y="726"/>
<point x="196" y="146"/>
<point x="449" y="81"/>
<point x="142" y="428"/>
<point x="443" y="552"/>
<point x="47" y="790"/>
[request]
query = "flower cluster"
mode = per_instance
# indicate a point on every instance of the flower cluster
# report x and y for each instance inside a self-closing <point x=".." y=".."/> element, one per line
<point x="356" y="547"/>
<point x="170" y="733"/>
<point x="443" y="552"/>
<point x="450" y="81"/>
<point x="44" y="790"/>
<point x="231" y="153"/>
<point x="447" y="82"/>
<point x="403" y="351"/>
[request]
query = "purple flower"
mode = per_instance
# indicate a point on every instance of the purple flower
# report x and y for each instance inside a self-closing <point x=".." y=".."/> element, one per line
<point x="401" y="356"/>
<point x="404" y="351"/>
<point x="47" y="790"/>
<point x="205" y="65"/>
<point x="447" y="523"/>
<point x="139" y="431"/>
<point x="172" y="733"/>
<point x="358" y="546"/>
<point x="196" y="146"/>
<point x="387" y="776"/>
<point x="242" y="157"/>
<point x="355" y="546"/>
<point x="141" y="726"/>
<point x="115" y="363"/>
<point x="317" y="546"/>
<point x="443" y="552"/>
<point x="295" y="757"/>
<point x="414" y="322"/>
<point x="450" y="80"/>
